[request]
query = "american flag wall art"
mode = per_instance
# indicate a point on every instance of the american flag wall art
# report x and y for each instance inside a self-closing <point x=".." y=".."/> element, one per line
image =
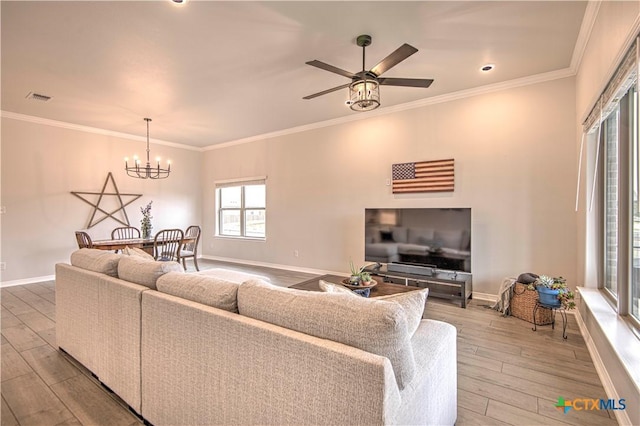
<point x="423" y="176"/>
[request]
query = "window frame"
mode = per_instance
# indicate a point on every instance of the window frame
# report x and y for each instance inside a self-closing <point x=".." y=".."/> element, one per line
<point x="627" y="147"/>
<point x="242" y="209"/>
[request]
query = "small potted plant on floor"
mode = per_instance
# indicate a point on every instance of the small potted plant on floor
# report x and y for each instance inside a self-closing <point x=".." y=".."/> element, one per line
<point x="553" y="292"/>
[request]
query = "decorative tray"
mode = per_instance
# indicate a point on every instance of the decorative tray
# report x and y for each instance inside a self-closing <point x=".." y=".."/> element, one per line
<point x="347" y="284"/>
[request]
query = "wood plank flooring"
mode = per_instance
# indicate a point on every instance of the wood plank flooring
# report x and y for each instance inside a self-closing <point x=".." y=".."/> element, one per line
<point x="507" y="373"/>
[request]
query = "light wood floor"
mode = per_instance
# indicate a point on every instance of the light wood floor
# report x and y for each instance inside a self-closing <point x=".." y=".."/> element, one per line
<point x="507" y="374"/>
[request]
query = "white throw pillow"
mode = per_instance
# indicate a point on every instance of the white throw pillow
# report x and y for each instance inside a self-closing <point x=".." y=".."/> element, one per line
<point x="412" y="303"/>
<point x="135" y="251"/>
<point x="334" y="288"/>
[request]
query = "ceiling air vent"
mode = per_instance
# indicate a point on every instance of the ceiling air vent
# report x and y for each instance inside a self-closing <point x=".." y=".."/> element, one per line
<point x="38" y="97"/>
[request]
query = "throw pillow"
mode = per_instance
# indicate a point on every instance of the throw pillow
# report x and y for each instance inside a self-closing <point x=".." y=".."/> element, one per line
<point x="334" y="288"/>
<point x="412" y="303"/>
<point x="135" y="251"/>
<point x="337" y="288"/>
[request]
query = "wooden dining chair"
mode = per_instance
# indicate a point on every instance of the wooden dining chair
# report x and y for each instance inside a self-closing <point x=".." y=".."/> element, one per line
<point x="166" y="244"/>
<point x="125" y="233"/>
<point x="190" y="248"/>
<point x="83" y="239"/>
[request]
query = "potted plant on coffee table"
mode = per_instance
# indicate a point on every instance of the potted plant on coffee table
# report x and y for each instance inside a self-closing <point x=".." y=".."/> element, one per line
<point x="358" y="276"/>
<point x="553" y="292"/>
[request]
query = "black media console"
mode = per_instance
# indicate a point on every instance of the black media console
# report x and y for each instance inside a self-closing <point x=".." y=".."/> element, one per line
<point x="441" y="283"/>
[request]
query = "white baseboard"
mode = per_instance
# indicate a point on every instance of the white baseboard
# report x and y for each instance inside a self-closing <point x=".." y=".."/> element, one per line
<point x="621" y="416"/>
<point x="27" y="281"/>
<point x="485" y="296"/>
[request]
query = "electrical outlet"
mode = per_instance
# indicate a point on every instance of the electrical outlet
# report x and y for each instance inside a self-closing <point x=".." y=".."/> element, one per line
<point x="295" y="253"/>
<point x="388" y="182"/>
<point x="3" y="266"/>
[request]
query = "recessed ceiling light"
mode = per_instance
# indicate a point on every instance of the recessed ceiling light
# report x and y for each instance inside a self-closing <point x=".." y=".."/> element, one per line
<point x="179" y="1"/>
<point x="487" y="67"/>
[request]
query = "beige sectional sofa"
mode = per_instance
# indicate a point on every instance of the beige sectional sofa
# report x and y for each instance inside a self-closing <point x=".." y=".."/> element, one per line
<point x="215" y="348"/>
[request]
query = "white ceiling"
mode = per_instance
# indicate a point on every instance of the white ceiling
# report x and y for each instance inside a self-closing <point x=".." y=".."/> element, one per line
<point x="214" y="72"/>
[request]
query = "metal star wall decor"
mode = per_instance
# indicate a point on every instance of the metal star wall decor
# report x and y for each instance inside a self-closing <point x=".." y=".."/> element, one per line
<point x="93" y="220"/>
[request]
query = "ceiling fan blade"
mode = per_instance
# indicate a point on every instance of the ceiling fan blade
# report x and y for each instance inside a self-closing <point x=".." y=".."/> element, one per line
<point x="399" y="55"/>
<point x="324" y="92"/>
<point x="330" y="68"/>
<point x="407" y="82"/>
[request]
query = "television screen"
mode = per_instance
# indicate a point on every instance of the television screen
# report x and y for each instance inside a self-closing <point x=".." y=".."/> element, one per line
<point x="432" y="237"/>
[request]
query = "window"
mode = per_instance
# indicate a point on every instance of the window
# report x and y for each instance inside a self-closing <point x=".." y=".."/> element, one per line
<point x="621" y="205"/>
<point x="241" y="209"/>
<point x="610" y="132"/>
<point x="635" y="210"/>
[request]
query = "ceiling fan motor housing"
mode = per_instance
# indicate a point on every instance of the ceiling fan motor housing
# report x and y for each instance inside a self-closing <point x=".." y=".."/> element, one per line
<point x="363" y="40"/>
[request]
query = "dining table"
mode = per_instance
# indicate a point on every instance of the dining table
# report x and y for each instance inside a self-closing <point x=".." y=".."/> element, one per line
<point x="145" y="244"/>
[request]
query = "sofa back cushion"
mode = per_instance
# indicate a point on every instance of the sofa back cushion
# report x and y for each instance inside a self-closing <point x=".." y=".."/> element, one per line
<point x="400" y="234"/>
<point x="449" y="239"/>
<point x="422" y="236"/>
<point x="145" y="272"/>
<point x="104" y="262"/>
<point x="208" y="290"/>
<point x="374" y="326"/>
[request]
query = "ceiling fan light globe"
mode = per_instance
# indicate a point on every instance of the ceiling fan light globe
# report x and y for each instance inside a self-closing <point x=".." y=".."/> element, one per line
<point x="364" y="95"/>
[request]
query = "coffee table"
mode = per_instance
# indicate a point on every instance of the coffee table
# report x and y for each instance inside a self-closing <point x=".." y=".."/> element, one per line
<point x="381" y="289"/>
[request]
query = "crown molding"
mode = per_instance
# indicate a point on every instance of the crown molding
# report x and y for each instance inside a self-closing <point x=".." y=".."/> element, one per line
<point x="462" y="94"/>
<point x="94" y="130"/>
<point x="588" y="21"/>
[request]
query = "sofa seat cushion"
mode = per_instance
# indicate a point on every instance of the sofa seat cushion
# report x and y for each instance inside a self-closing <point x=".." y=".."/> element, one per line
<point x="208" y="290"/>
<point x="413" y="248"/>
<point x="102" y="261"/>
<point x="230" y="275"/>
<point x="139" y="270"/>
<point x="375" y="326"/>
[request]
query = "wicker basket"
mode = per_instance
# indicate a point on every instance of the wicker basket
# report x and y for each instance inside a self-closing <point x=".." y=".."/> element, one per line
<point x="522" y="303"/>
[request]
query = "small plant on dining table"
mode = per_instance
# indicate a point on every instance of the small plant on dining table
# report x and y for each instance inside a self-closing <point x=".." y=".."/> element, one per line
<point x="145" y="223"/>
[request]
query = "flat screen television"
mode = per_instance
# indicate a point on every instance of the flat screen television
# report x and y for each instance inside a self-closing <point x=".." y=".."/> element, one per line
<point x="431" y="237"/>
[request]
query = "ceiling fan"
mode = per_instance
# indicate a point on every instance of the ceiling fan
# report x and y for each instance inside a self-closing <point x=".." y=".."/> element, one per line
<point x="364" y="94"/>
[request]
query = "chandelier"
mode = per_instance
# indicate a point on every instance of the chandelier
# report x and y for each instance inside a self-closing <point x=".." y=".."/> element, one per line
<point x="147" y="172"/>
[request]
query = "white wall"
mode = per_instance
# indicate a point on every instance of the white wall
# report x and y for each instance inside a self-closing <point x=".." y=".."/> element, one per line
<point x="615" y="27"/>
<point x="42" y="164"/>
<point x="515" y="167"/>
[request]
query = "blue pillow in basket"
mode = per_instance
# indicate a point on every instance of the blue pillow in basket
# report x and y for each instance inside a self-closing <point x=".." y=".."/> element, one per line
<point x="364" y="292"/>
